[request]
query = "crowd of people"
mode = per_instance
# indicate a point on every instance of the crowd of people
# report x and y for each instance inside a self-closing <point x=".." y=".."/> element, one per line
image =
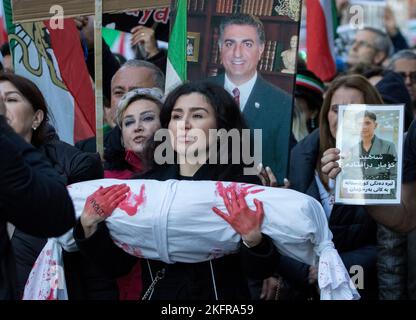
<point x="36" y="167"/>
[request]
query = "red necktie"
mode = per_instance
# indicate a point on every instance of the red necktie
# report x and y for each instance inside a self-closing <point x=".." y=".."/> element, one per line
<point x="236" y="94"/>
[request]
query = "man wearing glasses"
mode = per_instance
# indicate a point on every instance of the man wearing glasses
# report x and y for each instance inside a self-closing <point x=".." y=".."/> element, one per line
<point x="370" y="46"/>
<point x="404" y="63"/>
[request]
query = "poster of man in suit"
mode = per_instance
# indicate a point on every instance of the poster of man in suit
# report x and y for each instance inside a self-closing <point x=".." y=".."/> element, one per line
<point x="242" y="51"/>
<point x="265" y="106"/>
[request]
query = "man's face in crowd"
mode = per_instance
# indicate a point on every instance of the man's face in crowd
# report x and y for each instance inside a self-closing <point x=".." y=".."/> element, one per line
<point x="125" y="80"/>
<point x="363" y="49"/>
<point x="407" y="68"/>
<point x="240" y="52"/>
<point x="368" y="127"/>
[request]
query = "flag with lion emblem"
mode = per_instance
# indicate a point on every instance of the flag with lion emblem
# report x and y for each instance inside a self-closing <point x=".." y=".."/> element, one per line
<point x="53" y="59"/>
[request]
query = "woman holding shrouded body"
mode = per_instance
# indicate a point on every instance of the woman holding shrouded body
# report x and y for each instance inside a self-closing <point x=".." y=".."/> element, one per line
<point x="189" y="113"/>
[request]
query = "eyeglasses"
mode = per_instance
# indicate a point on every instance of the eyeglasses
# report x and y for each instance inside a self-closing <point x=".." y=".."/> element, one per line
<point x="411" y="75"/>
<point x="362" y="43"/>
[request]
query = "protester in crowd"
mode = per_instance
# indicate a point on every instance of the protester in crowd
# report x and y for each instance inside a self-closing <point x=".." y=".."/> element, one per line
<point x="144" y="42"/>
<point x="404" y="63"/>
<point x="308" y="96"/>
<point x="344" y="15"/>
<point x="396" y="37"/>
<point x="299" y="127"/>
<point x="370" y="46"/>
<point x="390" y="85"/>
<point x="393" y="91"/>
<point x="404" y="217"/>
<point x="353" y="229"/>
<point x="32" y="197"/>
<point x="409" y="178"/>
<point x="27" y="114"/>
<point x="192" y="106"/>
<point x="137" y="120"/>
<point x="393" y="252"/>
<point x="264" y="106"/>
<point x="132" y="75"/>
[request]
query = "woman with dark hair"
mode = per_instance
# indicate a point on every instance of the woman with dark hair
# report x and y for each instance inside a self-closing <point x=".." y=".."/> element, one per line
<point x="31" y="197"/>
<point x="190" y="114"/>
<point x="27" y="114"/>
<point x="353" y="230"/>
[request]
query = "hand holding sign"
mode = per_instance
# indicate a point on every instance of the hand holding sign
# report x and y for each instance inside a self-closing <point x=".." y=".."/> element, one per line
<point x="146" y="39"/>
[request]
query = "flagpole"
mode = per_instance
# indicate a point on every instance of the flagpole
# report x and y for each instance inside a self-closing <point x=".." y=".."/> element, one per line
<point x="98" y="76"/>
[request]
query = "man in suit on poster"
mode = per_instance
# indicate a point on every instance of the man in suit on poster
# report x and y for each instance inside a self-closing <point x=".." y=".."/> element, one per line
<point x="266" y="107"/>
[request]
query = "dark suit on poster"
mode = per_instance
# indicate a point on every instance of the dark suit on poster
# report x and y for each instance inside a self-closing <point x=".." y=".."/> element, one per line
<point x="270" y="109"/>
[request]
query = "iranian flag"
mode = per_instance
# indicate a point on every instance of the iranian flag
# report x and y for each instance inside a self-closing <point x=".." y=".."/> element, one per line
<point x="176" y="72"/>
<point x="119" y="42"/>
<point x="53" y="59"/>
<point x="321" y="27"/>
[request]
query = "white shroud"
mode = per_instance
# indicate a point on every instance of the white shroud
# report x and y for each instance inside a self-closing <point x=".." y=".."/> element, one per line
<point x="173" y="221"/>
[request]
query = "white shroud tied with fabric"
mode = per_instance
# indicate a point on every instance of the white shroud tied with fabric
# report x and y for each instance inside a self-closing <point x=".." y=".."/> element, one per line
<point x="173" y="221"/>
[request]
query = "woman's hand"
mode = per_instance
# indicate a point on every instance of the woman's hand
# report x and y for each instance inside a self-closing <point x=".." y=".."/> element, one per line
<point x="146" y="37"/>
<point x="268" y="178"/>
<point x="100" y="205"/>
<point x="329" y="163"/>
<point x="243" y="220"/>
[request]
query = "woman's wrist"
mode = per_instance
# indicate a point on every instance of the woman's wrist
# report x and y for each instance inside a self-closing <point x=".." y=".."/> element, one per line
<point x="252" y="239"/>
<point x="89" y="227"/>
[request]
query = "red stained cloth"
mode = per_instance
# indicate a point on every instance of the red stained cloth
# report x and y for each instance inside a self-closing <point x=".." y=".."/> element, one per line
<point x="130" y="285"/>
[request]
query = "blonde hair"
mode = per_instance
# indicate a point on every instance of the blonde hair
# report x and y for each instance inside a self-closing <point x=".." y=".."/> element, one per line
<point x="152" y="94"/>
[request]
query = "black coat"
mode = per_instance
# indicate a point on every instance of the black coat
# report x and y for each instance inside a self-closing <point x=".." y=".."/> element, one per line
<point x="354" y="231"/>
<point x="73" y="166"/>
<point x="32" y="197"/>
<point x="187" y="280"/>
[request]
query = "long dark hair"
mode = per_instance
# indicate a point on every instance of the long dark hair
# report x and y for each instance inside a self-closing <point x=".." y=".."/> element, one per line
<point x="32" y="93"/>
<point x="227" y="112"/>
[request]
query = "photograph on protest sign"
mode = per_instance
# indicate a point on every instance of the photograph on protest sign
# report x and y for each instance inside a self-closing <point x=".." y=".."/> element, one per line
<point x="370" y="138"/>
<point x="262" y="77"/>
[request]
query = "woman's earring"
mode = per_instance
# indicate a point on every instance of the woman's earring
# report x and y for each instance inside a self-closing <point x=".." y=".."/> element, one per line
<point x="34" y="128"/>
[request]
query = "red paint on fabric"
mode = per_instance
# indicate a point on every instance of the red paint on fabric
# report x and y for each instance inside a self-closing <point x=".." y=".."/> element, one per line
<point x="51" y="295"/>
<point x="134" y="251"/>
<point x="239" y="188"/>
<point x="133" y="202"/>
